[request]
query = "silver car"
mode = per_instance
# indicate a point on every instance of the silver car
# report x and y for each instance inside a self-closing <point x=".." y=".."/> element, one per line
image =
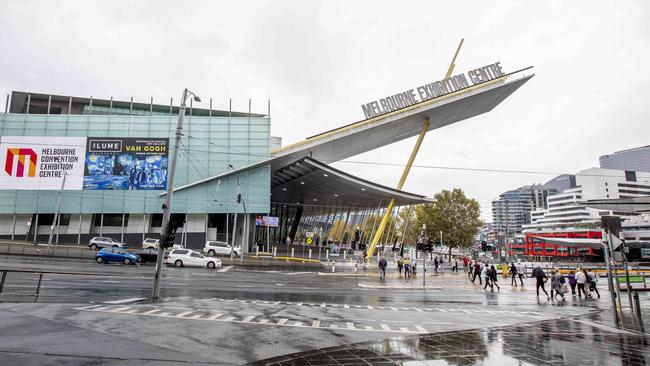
<point x="104" y="242"/>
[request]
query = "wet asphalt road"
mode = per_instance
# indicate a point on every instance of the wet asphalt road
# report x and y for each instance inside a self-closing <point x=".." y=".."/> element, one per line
<point x="241" y="314"/>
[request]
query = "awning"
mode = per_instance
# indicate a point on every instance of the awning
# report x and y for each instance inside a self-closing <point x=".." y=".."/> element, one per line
<point x="309" y="182"/>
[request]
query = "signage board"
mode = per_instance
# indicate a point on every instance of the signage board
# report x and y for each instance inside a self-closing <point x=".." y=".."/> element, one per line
<point x="89" y="163"/>
<point x="432" y="90"/>
<point x="126" y="164"/>
<point x="271" y="221"/>
<point x="39" y="163"/>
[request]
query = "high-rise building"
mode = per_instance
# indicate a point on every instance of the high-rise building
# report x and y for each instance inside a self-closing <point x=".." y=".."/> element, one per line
<point x="511" y="211"/>
<point x="636" y="159"/>
<point x="564" y="211"/>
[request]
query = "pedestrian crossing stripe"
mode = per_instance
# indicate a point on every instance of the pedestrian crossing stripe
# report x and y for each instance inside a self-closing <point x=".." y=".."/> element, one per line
<point x="201" y="315"/>
<point x="391" y="308"/>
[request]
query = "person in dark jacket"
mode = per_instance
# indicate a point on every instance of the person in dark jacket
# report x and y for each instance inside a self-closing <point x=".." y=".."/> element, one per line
<point x="493" y="278"/>
<point x="382" y="268"/>
<point x="513" y="274"/>
<point x="477" y="272"/>
<point x="541" y="277"/>
<point x="572" y="283"/>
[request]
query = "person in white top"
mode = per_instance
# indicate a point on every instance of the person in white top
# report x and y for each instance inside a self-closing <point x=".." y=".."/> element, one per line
<point x="581" y="279"/>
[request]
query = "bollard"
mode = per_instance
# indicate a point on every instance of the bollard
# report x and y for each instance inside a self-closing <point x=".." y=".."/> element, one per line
<point x="345" y="252"/>
<point x="309" y="253"/>
<point x="257" y="251"/>
<point x="424" y="272"/>
<point x="292" y="252"/>
<point x="637" y="304"/>
<point x="275" y="252"/>
<point x="333" y="266"/>
<point x="327" y="255"/>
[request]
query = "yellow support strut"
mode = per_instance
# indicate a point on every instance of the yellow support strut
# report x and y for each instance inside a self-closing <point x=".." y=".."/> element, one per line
<point x="407" y="169"/>
<point x="405" y="173"/>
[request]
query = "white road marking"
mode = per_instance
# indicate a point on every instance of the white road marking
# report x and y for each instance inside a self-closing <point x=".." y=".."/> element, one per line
<point x="334" y="326"/>
<point x="369" y="327"/>
<point x="264" y="321"/>
<point x="248" y="319"/>
<point x="282" y="321"/>
<point x="196" y="316"/>
<point x="89" y="307"/>
<point x="315" y="324"/>
<point x="151" y="311"/>
<point x="404" y="329"/>
<point x="121" y="309"/>
<point x="421" y="329"/>
<point x="416" y="309"/>
<point x="215" y="316"/>
<point x="323" y="305"/>
<point x="297" y="324"/>
<point x="370" y="307"/>
<point x="123" y="301"/>
<point x="131" y="311"/>
<point x="299" y="304"/>
<point x="350" y="325"/>
<point x="226" y="269"/>
<point x="184" y="313"/>
<point x="385" y="327"/>
<point x="346" y="306"/>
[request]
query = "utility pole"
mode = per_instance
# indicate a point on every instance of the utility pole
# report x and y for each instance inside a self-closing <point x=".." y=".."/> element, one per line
<point x="167" y="207"/>
<point x="58" y="208"/>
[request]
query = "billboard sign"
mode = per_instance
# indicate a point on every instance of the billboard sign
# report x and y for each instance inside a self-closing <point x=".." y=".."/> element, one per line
<point x="266" y="221"/>
<point x="126" y="164"/>
<point x="39" y="163"/>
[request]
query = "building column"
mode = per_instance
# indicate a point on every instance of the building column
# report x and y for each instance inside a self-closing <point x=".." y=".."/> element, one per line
<point x="296" y="221"/>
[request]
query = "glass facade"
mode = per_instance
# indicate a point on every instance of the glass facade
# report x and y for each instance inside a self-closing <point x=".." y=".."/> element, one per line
<point x="209" y="146"/>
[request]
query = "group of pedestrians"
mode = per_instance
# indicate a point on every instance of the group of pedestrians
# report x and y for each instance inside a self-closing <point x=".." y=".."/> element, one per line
<point x="482" y="271"/>
<point x="582" y="280"/>
<point x="409" y="265"/>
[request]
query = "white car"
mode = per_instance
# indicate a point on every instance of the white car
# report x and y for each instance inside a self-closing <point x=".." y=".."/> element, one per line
<point x="150" y="243"/>
<point x="213" y="248"/>
<point x="190" y="258"/>
<point x="104" y="242"/>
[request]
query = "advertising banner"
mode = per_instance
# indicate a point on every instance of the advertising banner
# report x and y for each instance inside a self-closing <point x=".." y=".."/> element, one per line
<point x="126" y="164"/>
<point x="270" y="221"/>
<point x="39" y="163"/>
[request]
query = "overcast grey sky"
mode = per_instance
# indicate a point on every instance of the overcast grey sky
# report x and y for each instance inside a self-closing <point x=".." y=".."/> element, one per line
<point x="318" y="61"/>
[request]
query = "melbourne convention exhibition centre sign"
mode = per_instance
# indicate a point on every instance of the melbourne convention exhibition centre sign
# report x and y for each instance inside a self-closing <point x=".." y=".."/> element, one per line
<point x="432" y="90"/>
<point x="88" y="163"/>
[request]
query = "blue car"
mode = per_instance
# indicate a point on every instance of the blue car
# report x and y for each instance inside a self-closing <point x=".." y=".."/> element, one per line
<point x="116" y="254"/>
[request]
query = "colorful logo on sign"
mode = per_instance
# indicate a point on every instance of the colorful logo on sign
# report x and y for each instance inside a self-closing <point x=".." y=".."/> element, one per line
<point x="21" y="154"/>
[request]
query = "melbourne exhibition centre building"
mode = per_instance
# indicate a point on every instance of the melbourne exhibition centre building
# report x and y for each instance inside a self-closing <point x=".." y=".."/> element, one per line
<point x="108" y="160"/>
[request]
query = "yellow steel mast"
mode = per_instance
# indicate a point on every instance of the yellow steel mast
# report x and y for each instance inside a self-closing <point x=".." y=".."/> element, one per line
<point x="407" y="168"/>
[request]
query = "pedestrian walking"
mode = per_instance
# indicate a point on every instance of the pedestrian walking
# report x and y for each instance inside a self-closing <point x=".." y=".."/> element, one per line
<point x="541" y="278"/>
<point x="414" y="266"/>
<point x="407" y="267"/>
<point x="477" y="273"/>
<point x="581" y="279"/>
<point x="456" y="264"/>
<point x="382" y="268"/>
<point x="435" y="264"/>
<point x="592" y="279"/>
<point x="470" y="269"/>
<point x="521" y="272"/>
<point x="465" y="263"/>
<point x="513" y="274"/>
<point x="556" y="285"/>
<point x="486" y="274"/>
<point x="400" y="265"/>
<point x="572" y="283"/>
<point x="493" y="279"/>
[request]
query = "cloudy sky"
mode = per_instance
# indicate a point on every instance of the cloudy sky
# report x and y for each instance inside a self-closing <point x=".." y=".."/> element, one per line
<point x="318" y="61"/>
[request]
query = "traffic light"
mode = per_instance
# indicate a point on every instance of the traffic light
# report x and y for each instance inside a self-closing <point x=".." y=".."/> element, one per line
<point x="238" y="198"/>
<point x="170" y="233"/>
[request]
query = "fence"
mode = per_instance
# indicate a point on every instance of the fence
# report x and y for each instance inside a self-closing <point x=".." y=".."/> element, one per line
<point x="20" y="283"/>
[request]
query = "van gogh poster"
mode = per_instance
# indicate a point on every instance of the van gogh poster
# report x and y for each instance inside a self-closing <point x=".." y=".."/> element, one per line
<point x="126" y="163"/>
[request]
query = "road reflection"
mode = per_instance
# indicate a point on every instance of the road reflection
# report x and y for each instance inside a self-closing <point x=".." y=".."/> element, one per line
<point x="552" y="342"/>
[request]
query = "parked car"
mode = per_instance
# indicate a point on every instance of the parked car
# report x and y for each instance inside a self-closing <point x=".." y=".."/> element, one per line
<point x="190" y="258"/>
<point x="116" y="254"/>
<point x="104" y="242"/>
<point x="213" y="248"/>
<point x="150" y="243"/>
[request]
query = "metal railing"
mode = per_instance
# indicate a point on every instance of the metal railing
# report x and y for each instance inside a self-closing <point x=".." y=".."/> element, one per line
<point x="20" y="283"/>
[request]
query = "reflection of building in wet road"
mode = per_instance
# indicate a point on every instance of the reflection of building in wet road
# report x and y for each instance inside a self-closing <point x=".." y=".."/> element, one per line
<point x="551" y="342"/>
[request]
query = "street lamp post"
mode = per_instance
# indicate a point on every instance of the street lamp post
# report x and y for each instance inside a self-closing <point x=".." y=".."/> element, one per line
<point x="167" y="207"/>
